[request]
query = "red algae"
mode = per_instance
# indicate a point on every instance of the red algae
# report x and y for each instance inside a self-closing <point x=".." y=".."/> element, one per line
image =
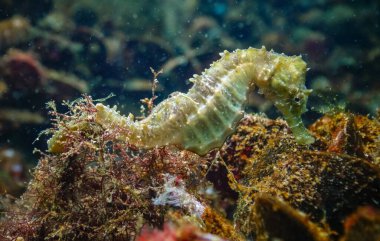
<point x="95" y="172"/>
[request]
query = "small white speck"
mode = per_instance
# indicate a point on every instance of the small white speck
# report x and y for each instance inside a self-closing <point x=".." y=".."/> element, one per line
<point x="9" y="153"/>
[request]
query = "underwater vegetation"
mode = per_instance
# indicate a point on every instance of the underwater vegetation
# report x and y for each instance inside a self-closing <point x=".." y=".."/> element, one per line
<point x="101" y="187"/>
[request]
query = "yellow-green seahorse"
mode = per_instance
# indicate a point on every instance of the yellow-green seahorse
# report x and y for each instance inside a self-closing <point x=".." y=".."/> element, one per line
<point x="201" y="119"/>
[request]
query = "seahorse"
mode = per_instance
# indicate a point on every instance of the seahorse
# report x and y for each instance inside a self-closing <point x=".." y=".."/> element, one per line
<point x="201" y="119"/>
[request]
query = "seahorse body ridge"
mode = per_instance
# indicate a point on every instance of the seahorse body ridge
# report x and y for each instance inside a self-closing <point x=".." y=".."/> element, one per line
<point x="202" y="118"/>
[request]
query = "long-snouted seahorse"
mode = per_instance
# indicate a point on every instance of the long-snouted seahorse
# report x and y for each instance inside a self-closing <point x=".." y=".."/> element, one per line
<point x="201" y="119"/>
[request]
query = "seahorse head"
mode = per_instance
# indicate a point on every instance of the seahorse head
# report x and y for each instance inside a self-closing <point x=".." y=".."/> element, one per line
<point x="290" y="95"/>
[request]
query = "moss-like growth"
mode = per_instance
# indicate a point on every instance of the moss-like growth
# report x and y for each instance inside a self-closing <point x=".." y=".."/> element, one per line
<point x="326" y="181"/>
<point x="98" y="188"/>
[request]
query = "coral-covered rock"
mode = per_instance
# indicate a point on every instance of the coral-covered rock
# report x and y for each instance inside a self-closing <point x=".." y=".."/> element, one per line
<point x="277" y="220"/>
<point x="326" y="184"/>
<point x="364" y="224"/>
<point x="350" y="134"/>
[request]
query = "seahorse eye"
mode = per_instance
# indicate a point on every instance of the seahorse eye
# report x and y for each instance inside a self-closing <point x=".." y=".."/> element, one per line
<point x="297" y="99"/>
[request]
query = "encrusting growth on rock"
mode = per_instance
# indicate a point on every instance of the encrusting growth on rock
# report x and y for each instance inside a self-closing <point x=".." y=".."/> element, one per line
<point x="201" y="119"/>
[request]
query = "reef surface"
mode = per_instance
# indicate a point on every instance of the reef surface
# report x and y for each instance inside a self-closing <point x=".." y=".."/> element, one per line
<point x="260" y="185"/>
